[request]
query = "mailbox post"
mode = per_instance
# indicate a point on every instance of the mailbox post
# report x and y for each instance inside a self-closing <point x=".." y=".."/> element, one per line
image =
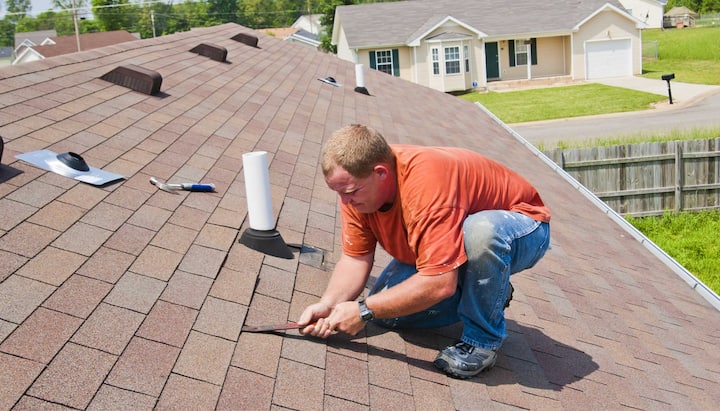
<point x="668" y="77"/>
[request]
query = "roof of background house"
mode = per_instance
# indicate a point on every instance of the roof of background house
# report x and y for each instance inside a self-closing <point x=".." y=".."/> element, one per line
<point x="125" y="296"/>
<point x="402" y="22"/>
<point x="88" y="41"/>
<point x="36" y="37"/>
<point x="681" y="11"/>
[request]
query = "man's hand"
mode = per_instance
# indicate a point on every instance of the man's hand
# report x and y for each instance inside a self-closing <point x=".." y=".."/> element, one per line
<point x="313" y="320"/>
<point x="345" y="318"/>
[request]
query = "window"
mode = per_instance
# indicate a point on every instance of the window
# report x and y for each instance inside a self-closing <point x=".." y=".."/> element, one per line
<point x="384" y="61"/>
<point x="466" y="54"/>
<point x="521" y="53"/>
<point x="387" y="61"/>
<point x="436" y="61"/>
<point x="518" y="51"/>
<point x="452" y="60"/>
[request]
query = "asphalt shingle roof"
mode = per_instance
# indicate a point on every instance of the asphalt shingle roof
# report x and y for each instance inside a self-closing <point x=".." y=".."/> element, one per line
<point x="399" y="23"/>
<point x="127" y="297"/>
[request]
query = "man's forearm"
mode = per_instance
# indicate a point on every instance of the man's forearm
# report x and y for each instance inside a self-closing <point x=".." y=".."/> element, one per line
<point x="413" y="295"/>
<point x="347" y="280"/>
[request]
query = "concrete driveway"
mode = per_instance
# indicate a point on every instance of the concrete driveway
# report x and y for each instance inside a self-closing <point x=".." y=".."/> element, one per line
<point x="694" y="106"/>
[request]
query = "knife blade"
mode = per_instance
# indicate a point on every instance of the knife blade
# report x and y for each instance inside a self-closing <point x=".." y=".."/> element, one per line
<point x="271" y="327"/>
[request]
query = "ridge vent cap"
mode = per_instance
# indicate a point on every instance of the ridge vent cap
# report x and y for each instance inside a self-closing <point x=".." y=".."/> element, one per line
<point x="211" y="51"/>
<point x="135" y="78"/>
<point x="248" y="39"/>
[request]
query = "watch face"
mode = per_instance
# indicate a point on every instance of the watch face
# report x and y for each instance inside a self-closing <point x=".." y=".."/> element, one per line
<point x="366" y="315"/>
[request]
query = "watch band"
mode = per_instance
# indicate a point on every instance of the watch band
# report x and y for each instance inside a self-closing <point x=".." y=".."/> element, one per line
<point x="366" y="314"/>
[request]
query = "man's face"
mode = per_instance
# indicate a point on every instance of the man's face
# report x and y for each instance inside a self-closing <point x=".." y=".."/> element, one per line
<point x="366" y="195"/>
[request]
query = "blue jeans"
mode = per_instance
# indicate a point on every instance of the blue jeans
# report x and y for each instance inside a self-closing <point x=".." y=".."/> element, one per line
<point x="497" y="243"/>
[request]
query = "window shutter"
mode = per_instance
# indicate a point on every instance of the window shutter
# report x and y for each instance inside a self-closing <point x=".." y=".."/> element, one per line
<point x="533" y="51"/>
<point x="373" y="64"/>
<point x="396" y="62"/>
<point x="511" y="52"/>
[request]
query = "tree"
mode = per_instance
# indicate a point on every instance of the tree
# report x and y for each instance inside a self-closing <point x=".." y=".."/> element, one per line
<point x="222" y="11"/>
<point x="17" y="9"/>
<point x="113" y="14"/>
<point x="328" y="21"/>
<point x="269" y="13"/>
<point x="7" y="33"/>
<point x="710" y="6"/>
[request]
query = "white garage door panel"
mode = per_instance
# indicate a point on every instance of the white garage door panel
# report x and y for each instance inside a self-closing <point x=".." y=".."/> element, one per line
<point x="611" y="58"/>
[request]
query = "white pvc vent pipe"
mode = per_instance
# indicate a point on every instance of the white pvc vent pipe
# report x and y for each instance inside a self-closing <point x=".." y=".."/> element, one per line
<point x="257" y="190"/>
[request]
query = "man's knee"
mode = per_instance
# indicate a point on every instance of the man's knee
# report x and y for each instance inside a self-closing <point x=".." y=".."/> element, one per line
<point x="480" y="233"/>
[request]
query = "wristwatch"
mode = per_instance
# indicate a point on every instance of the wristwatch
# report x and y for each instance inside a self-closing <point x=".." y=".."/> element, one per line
<point x="366" y="314"/>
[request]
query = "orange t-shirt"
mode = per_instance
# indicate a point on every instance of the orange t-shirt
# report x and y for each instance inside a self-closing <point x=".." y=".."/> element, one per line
<point x="438" y="187"/>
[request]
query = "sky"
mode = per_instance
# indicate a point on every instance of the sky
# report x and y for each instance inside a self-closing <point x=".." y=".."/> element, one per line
<point x="38" y="6"/>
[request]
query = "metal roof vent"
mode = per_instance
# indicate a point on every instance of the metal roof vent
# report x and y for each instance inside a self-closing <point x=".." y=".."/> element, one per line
<point x="211" y="51"/>
<point x="245" y="38"/>
<point x="135" y="78"/>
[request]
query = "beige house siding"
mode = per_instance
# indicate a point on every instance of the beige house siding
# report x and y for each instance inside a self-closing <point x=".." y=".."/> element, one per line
<point x="343" y="49"/>
<point x="605" y="26"/>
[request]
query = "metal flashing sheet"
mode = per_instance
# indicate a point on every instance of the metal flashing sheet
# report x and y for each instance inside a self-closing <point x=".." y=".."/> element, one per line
<point x="69" y="165"/>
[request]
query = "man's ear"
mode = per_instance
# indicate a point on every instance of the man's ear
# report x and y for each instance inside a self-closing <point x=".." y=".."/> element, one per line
<point x="381" y="170"/>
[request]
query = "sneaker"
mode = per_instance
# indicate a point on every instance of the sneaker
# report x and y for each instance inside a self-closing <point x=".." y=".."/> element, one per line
<point x="509" y="296"/>
<point x="463" y="360"/>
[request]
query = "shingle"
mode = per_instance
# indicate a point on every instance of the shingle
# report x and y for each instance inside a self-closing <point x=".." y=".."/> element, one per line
<point x="187" y="289"/>
<point x="109" y="397"/>
<point x="183" y="392"/>
<point x="144" y="367"/>
<point x="298" y="386"/>
<point x="168" y="323"/>
<point x="88" y="368"/>
<point x="16" y="375"/>
<point x="41" y="336"/>
<point x="52" y="266"/>
<point x="135" y="292"/>
<point x="220" y="318"/>
<point x="236" y="395"/>
<point x="156" y="262"/>
<point x="205" y="357"/>
<point x="109" y="329"/>
<point x="78" y="296"/>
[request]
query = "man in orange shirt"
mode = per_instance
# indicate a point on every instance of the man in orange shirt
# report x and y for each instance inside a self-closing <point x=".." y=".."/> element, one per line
<point x="457" y="225"/>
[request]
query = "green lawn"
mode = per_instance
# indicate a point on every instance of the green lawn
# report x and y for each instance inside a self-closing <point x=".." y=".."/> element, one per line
<point x="562" y="102"/>
<point x="690" y="238"/>
<point x="692" y="54"/>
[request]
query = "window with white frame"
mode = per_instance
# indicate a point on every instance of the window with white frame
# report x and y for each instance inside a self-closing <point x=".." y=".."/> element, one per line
<point x="466" y="54"/>
<point x="435" y="61"/>
<point x="521" y="52"/>
<point x="384" y="61"/>
<point x="452" y="60"/>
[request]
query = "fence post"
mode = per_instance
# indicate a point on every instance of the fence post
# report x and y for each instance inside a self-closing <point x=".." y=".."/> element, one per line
<point x="679" y="176"/>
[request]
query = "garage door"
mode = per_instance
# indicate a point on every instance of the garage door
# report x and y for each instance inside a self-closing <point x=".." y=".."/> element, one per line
<point x="610" y="58"/>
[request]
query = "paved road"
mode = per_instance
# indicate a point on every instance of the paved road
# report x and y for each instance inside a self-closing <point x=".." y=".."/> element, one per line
<point x="694" y="106"/>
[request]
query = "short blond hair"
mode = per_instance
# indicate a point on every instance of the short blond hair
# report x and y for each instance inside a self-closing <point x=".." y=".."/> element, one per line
<point x="357" y="149"/>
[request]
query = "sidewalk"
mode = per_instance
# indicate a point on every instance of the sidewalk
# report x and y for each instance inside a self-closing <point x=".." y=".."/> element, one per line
<point x="682" y="93"/>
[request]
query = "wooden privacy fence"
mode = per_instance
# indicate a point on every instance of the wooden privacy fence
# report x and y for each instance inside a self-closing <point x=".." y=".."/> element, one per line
<point x="649" y="178"/>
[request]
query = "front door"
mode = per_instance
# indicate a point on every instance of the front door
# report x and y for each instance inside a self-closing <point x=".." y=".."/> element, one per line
<point x="492" y="61"/>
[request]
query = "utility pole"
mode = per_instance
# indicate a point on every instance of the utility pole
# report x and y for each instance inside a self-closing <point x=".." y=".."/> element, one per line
<point x="77" y="30"/>
<point x="152" y="20"/>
